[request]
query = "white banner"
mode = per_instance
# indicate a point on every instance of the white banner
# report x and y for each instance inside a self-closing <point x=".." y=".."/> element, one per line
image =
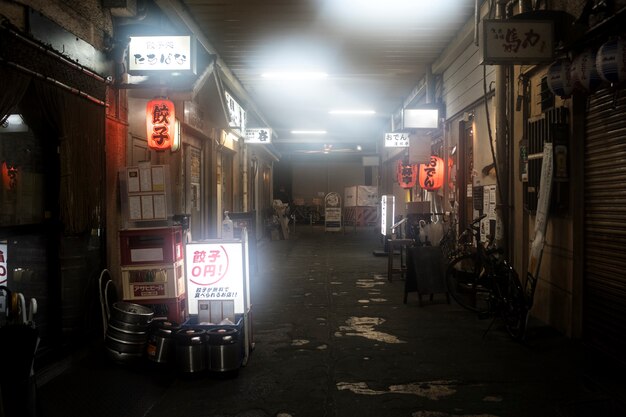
<point x="543" y="207"/>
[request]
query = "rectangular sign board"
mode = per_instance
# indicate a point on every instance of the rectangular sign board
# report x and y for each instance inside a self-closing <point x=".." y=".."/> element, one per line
<point x="517" y="41"/>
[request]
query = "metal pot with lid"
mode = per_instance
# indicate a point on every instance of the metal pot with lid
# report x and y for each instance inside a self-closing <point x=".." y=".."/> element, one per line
<point x="190" y="350"/>
<point x="131" y="313"/>
<point x="161" y="343"/>
<point x="224" y="352"/>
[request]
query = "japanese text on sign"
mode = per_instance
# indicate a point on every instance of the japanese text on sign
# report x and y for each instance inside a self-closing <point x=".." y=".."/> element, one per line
<point x="159" y="53"/>
<point x="396" y="140"/>
<point x="258" y="135"/>
<point x="522" y="41"/>
<point x="160" y="123"/>
<point x="3" y="264"/>
<point x="215" y="271"/>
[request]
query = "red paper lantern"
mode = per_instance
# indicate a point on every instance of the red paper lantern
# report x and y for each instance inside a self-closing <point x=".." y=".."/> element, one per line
<point x="160" y="118"/>
<point x="9" y="176"/>
<point x="407" y="174"/>
<point x="431" y="174"/>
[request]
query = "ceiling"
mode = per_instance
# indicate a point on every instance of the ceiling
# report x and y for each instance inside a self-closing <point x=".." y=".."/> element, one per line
<point x="374" y="52"/>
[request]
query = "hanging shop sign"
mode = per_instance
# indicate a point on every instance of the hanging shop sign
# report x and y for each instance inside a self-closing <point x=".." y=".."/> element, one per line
<point x="611" y="61"/>
<point x="396" y="140"/>
<point x="258" y="135"/>
<point x="406" y="174"/>
<point x="559" y="79"/>
<point x="584" y="72"/>
<point x="215" y="271"/>
<point x="160" y="123"/>
<point x="421" y="118"/>
<point x="236" y="113"/>
<point x="431" y="175"/>
<point x="160" y="53"/>
<point x="517" y="41"/>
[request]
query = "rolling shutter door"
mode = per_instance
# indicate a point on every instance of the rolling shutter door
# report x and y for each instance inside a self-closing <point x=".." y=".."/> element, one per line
<point x="604" y="305"/>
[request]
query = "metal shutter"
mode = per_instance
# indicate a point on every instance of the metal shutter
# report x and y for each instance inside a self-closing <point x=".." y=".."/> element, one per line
<point x="604" y="305"/>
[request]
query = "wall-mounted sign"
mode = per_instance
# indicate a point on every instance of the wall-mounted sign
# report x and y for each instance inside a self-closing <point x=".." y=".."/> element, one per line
<point x="160" y="53"/>
<point x="387" y="214"/>
<point x="215" y="271"/>
<point x="236" y="113"/>
<point x="396" y="140"/>
<point x="160" y="123"/>
<point x="258" y="135"/>
<point x="423" y="118"/>
<point x="517" y="41"/>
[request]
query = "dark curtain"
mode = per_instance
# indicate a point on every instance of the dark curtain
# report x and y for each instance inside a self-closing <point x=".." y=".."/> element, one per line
<point x="79" y="126"/>
<point x="13" y="85"/>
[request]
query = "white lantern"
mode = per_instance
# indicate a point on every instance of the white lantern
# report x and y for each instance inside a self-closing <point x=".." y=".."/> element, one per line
<point x="584" y="72"/>
<point x="559" y="79"/>
<point x="611" y="61"/>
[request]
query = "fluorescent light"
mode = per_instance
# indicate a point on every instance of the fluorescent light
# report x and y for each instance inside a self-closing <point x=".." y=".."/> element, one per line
<point x="288" y="75"/>
<point x="308" y="132"/>
<point x="353" y="112"/>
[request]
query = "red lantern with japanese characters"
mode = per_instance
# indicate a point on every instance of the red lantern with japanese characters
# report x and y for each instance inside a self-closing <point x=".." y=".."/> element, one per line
<point x="160" y="118"/>
<point x="407" y="174"/>
<point x="431" y="175"/>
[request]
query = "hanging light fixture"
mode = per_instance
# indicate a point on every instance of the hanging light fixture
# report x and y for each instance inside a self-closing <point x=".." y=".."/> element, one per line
<point x="160" y="120"/>
<point x="431" y="174"/>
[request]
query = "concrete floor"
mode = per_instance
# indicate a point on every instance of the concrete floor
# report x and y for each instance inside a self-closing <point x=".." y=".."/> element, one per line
<point x="333" y="338"/>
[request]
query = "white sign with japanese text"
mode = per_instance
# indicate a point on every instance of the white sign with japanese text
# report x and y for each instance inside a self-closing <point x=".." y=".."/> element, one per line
<point x="517" y="41"/>
<point x="3" y="264"/>
<point x="258" y="135"/>
<point x="159" y="53"/>
<point x="215" y="271"/>
<point x="396" y="140"/>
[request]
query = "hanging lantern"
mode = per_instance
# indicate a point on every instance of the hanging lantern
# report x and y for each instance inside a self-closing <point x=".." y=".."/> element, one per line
<point x="9" y="176"/>
<point x="431" y="174"/>
<point x="407" y="174"/>
<point x="611" y="61"/>
<point x="160" y="119"/>
<point x="559" y="79"/>
<point x="584" y="72"/>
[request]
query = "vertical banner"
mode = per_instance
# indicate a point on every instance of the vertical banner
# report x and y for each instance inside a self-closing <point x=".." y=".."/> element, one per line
<point x="543" y="206"/>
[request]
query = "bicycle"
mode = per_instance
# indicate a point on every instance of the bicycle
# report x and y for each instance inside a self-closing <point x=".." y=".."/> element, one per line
<point x="482" y="281"/>
<point x="306" y="214"/>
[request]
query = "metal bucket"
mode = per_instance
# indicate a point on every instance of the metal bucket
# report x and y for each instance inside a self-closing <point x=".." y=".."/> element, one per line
<point x="223" y="349"/>
<point x="161" y="343"/>
<point x="125" y="341"/>
<point x="190" y="351"/>
<point x="131" y="313"/>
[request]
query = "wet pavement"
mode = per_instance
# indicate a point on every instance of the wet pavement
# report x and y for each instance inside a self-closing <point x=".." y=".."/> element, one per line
<point x="332" y="337"/>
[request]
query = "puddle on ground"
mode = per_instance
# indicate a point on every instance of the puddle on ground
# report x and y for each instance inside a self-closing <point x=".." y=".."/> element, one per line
<point x="320" y="318"/>
<point x="368" y="283"/>
<point x="364" y="327"/>
<point x="378" y="300"/>
<point x="299" y="342"/>
<point x="364" y="301"/>
<point x="307" y="294"/>
<point x="322" y="347"/>
<point x="336" y="282"/>
<point x="432" y="390"/>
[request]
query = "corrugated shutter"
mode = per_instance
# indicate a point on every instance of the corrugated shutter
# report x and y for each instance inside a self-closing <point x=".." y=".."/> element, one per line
<point x="604" y="309"/>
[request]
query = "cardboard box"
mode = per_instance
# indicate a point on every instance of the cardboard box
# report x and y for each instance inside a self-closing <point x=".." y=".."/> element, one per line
<point x="361" y="196"/>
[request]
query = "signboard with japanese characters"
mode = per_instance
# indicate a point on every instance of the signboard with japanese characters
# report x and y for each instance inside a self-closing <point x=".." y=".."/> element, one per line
<point x="517" y="41"/>
<point x="215" y="271"/>
<point x="236" y="113"/>
<point x="160" y="53"/>
<point x="396" y="140"/>
<point x="3" y="263"/>
<point x="258" y="135"/>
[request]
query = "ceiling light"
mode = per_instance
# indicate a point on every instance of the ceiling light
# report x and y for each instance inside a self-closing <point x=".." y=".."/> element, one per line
<point x="359" y="148"/>
<point x="353" y="112"/>
<point x="308" y="132"/>
<point x="288" y="75"/>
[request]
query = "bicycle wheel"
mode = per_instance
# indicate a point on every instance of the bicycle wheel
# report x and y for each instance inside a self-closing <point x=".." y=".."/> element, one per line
<point x="464" y="283"/>
<point x="513" y="308"/>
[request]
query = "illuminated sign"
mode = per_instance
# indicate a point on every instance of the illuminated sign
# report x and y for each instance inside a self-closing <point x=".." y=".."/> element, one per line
<point x="160" y="53"/>
<point x="396" y="140"/>
<point x="3" y="264"/>
<point x="215" y="271"/>
<point x="258" y="135"/>
<point x="161" y="124"/>
<point x="420" y="118"/>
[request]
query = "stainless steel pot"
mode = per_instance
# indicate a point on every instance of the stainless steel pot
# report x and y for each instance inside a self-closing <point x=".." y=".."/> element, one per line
<point x="131" y="313"/>
<point x="161" y="343"/>
<point x="190" y="350"/>
<point x="224" y="353"/>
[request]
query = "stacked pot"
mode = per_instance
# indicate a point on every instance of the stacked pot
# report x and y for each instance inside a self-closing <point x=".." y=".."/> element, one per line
<point x="127" y="331"/>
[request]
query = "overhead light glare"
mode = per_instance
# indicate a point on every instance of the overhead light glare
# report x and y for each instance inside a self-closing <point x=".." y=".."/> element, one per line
<point x="353" y="112"/>
<point x="308" y="132"/>
<point x="288" y="75"/>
